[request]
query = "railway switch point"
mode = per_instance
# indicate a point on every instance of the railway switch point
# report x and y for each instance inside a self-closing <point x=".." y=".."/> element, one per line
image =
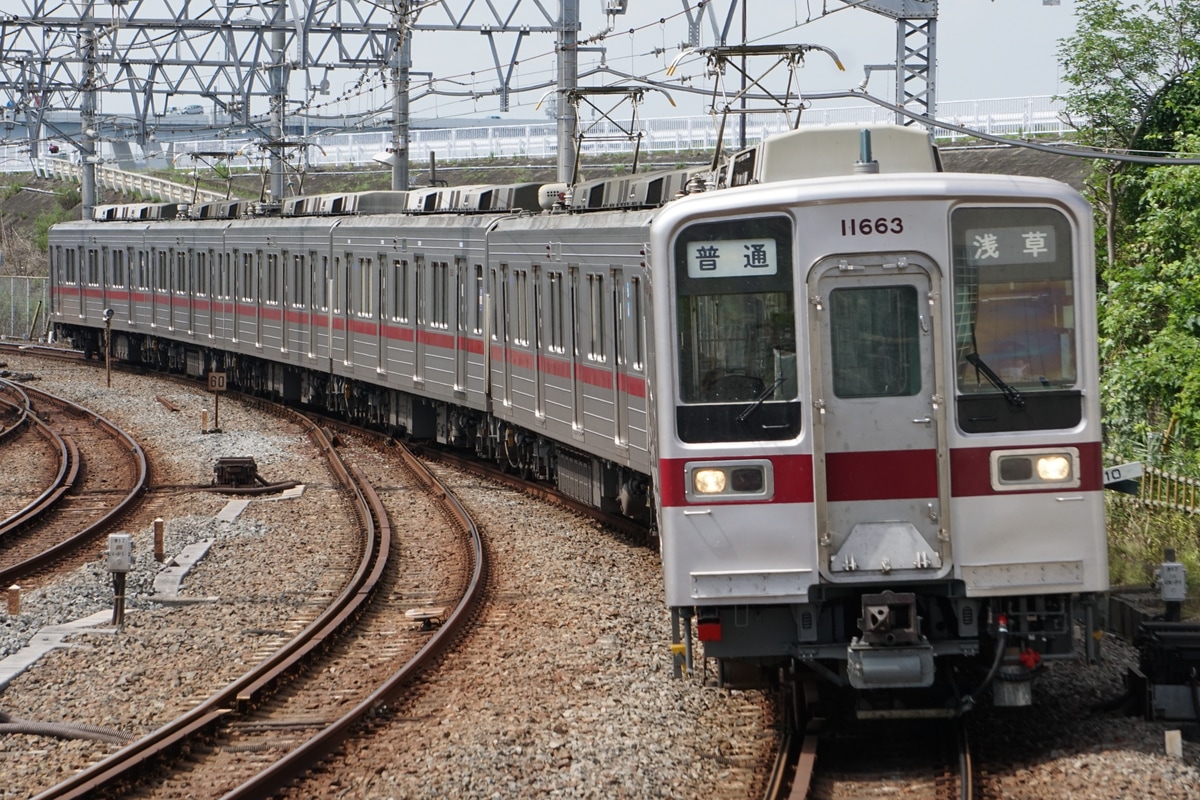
<point x="430" y="618"/>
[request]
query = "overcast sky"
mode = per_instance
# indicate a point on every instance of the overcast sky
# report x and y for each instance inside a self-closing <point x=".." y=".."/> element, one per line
<point x="985" y="49"/>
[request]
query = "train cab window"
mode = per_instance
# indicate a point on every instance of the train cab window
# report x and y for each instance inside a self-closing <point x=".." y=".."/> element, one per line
<point x="1014" y="317"/>
<point x="736" y="331"/>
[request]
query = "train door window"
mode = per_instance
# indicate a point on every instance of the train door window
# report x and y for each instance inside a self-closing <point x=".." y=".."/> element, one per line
<point x="596" y="345"/>
<point x="299" y="280"/>
<point x="555" y="322"/>
<point x="1014" y="319"/>
<point x="201" y="282"/>
<point x="161" y="280"/>
<point x="270" y="279"/>
<point x="619" y="345"/>
<point x="574" y="277"/>
<point x="440" y="310"/>
<point x="143" y="270"/>
<point x="505" y="306"/>
<point x="635" y="314"/>
<point x="222" y="280"/>
<point x="181" y="271"/>
<point x="496" y="307"/>
<point x="521" y="306"/>
<point x="118" y="267"/>
<point x="246" y="277"/>
<point x="93" y="267"/>
<point x="360" y="287"/>
<point x="400" y="289"/>
<point x="479" y="300"/>
<point x="460" y="283"/>
<point x="873" y="341"/>
<point x="418" y="288"/>
<point x="538" y="334"/>
<point x="338" y="300"/>
<point x="321" y="287"/>
<point x="735" y="324"/>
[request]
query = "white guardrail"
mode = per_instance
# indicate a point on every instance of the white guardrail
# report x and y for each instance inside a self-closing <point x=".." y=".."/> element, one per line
<point x="1017" y="116"/>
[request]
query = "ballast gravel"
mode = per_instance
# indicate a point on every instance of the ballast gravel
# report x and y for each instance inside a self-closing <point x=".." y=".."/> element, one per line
<point x="588" y="710"/>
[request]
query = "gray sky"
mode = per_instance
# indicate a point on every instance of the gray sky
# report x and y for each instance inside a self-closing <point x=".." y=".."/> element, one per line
<point x="985" y="49"/>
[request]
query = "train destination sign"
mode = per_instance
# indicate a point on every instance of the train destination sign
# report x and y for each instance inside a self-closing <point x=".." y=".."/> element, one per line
<point x="732" y="258"/>
<point x="1026" y="245"/>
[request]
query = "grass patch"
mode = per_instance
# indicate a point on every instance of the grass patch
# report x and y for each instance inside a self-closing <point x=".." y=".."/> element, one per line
<point x="1138" y="536"/>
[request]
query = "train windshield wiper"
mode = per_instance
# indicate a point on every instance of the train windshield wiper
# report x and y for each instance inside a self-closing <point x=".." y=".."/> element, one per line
<point x="1012" y="395"/>
<point x="758" y="399"/>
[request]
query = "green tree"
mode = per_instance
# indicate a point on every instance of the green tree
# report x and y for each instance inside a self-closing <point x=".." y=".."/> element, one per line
<point x="1131" y="71"/>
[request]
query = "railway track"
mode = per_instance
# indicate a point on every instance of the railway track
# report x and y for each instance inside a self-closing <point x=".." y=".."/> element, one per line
<point x="102" y="472"/>
<point x="265" y="729"/>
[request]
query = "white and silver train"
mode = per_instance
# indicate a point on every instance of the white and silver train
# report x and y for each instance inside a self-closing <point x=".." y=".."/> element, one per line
<point x="856" y="394"/>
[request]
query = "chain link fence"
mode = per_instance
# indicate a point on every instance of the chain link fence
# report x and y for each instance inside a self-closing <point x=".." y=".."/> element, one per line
<point x="24" y="308"/>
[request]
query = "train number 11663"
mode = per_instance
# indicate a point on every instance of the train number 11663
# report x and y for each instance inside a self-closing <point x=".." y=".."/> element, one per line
<point x="867" y="227"/>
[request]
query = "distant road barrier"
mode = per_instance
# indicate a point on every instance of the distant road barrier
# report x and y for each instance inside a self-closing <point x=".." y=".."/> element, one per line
<point x="117" y="180"/>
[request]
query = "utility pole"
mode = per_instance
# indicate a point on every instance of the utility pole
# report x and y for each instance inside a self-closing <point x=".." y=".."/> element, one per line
<point x="279" y="89"/>
<point x="568" y="82"/>
<point x="401" y="67"/>
<point x="87" y="114"/>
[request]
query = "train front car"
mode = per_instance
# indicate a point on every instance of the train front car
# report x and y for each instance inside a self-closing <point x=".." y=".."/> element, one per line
<point x="878" y="432"/>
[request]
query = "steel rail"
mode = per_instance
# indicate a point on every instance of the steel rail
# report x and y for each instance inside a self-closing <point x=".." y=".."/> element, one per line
<point x="302" y="759"/>
<point x="85" y="535"/>
<point x="249" y="688"/>
<point x="68" y="466"/>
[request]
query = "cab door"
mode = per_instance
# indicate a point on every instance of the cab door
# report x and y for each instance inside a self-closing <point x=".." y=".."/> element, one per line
<point x="880" y="465"/>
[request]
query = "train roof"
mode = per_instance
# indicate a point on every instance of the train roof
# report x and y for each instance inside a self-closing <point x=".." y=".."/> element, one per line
<point x="805" y="153"/>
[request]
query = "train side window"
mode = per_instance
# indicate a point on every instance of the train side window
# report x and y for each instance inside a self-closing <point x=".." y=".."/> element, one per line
<point x="505" y="303"/>
<point x="321" y="287"/>
<point x="538" y="335"/>
<point x="143" y="270"/>
<point x="162" y="275"/>
<point x="573" y="272"/>
<point x="93" y="267"/>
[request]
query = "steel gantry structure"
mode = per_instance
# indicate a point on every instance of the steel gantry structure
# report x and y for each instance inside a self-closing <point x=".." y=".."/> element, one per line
<point x="65" y="54"/>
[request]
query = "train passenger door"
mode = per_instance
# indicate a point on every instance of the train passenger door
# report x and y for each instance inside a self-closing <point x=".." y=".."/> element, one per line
<point x="880" y="466"/>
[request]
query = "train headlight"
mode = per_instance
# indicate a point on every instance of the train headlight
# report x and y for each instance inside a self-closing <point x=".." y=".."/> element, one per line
<point x="1054" y="468"/>
<point x="729" y="481"/>
<point x="1013" y="470"/>
<point x="709" y="481"/>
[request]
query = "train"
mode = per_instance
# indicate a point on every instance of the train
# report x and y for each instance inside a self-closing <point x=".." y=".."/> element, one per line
<point x="855" y="395"/>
